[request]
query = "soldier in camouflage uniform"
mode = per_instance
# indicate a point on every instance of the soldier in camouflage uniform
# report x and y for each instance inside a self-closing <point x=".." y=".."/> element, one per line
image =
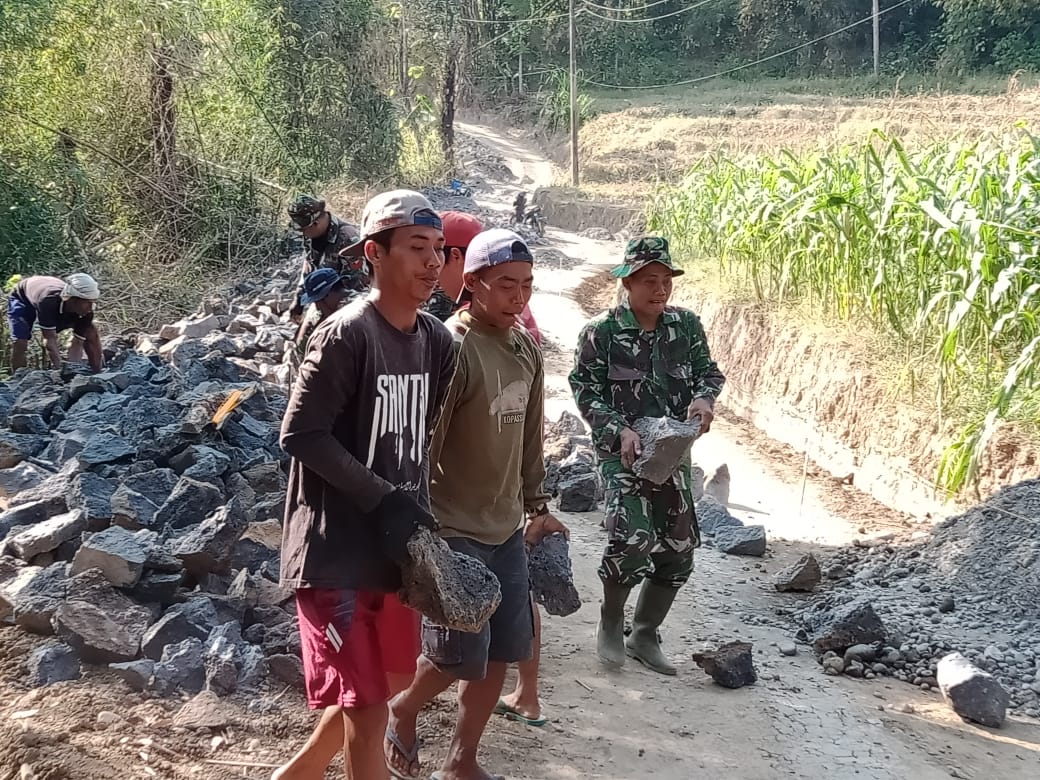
<point x="325" y="235"/>
<point x="643" y="358"/>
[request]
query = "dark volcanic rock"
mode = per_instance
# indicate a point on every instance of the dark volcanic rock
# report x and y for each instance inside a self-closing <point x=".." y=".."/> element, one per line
<point x="973" y="694"/>
<point x="746" y="540"/>
<point x="188" y="504"/>
<point x="207" y="548"/>
<point x="16" y="447"/>
<point x="552" y="581"/>
<point x="802" y="576"/>
<point x="52" y="663"/>
<point x="578" y="493"/>
<point x="37" y="601"/>
<point x="106" y="448"/>
<point x="731" y="666"/>
<point x="713" y="516"/>
<point x="838" y="629"/>
<point x="451" y="589"/>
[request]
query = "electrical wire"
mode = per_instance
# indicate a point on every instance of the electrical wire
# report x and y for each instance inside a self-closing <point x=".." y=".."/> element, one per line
<point x="626" y="10"/>
<point x="587" y="9"/>
<point x="500" y="36"/>
<point x="546" y="18"/>
<point x="746" y="65"/>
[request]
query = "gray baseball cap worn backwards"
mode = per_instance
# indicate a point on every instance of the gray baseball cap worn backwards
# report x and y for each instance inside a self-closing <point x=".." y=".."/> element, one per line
<point x="494" y="247"/>
<point x="389" y="210"/>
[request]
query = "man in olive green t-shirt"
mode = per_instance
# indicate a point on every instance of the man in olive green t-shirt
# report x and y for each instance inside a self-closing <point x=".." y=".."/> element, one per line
<point x="486" y="473"/>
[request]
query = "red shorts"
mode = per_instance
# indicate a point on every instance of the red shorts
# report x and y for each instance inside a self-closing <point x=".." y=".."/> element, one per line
<point x="351" y="640"/>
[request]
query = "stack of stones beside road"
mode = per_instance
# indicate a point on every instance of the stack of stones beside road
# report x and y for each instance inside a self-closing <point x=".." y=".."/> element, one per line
<point x="570" y="465"/>
<point x="136" y="532"/>
<point x="896" y="607"/>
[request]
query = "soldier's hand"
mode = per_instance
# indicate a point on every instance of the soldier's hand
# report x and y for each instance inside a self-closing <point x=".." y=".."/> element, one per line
<point x="631" y="447"/>
<point x="701" y="407"/>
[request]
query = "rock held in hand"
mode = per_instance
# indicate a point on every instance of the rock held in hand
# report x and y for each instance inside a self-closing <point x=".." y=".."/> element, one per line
<point x="973" y="694"/>
<point x="665" y="443"/>
<point x="731" y="666"/>
<point x="552" y="580"/>
<point x="448" y="587"/>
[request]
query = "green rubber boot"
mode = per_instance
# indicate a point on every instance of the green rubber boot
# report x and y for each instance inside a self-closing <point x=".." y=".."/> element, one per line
<point x="610" y="634"/>
<point x="651" y="610"/>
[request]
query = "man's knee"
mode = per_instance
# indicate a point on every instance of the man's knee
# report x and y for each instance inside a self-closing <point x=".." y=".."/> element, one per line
<point x="671" y="569"/>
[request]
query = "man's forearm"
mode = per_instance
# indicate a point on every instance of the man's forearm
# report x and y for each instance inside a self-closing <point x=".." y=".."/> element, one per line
<point x="94" y="354"/>
<point x="321" y="453"/>
<point x="53" y="352"/>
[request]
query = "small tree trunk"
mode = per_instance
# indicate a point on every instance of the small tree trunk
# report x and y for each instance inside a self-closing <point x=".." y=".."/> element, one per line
<point x="448" y="104"/>
<point x="164" y="125"/>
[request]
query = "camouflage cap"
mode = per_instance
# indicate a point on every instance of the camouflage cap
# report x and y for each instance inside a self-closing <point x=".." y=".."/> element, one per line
<point x="304" y="210"/>
<point x="642" y="251"/>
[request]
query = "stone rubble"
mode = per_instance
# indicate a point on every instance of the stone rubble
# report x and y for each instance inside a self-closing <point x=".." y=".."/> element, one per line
<point x="129" y="514"/>
<point x="969" y="587"/>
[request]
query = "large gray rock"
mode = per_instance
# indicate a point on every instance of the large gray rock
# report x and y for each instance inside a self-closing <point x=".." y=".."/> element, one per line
<point x="30" y="514"/>
<point x="973" y="694"/>
<point x="53" y="489"/>
<point x="286" y="668"/>
<point x="449" y="588"/>
<point x="552" y="580"/>
<point x="200" y="462"/>
<point x="51" y="663"/>
<point x="154" y="484"/>
<point x="158" y="587"/>
<point x="194" y="619"/>
<point x="731" y="666"/>
<point x="39" y="598"/>
<point x="137" y="674"/>
<point x="713" y="516"/>
<point x="132" y="510"/>
<point x="48" y="534"/>
<point x="207" y="548"/>
<point x="188" y="504"/>
<point x="106" y="448"/>
<point x="31" y="424"/>
<point x="16" y="447"/>
<point x="223" y="659"/>
<point x="92" y="494"/>
<point x="266" y="477"/>
<point x="839" y="628"/>
<point x="21" y="477"/>
<point x="181" y="668"/>
<point x="14" y="576"/>
<point x="665" y="443"/>
<point x="119" y="554"/>
<point x="746" y="540"/>
<point x="101" y="636"/>
<point x="578" y="493"/>
<point x="43" y="402"/>
<point x="803" y="575"/>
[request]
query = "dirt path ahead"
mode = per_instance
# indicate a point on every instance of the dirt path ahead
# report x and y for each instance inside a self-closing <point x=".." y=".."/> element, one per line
<point x="795" y="722"/>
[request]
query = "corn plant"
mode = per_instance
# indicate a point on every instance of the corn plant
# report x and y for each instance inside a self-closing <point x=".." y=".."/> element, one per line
<point x="938" y="248"/>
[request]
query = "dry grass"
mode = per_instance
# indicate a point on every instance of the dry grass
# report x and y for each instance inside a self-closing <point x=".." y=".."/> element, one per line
<point x="639" y="140"/>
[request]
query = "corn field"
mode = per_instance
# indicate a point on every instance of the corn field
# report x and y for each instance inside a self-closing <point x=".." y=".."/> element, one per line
<point x="936" y="247"/>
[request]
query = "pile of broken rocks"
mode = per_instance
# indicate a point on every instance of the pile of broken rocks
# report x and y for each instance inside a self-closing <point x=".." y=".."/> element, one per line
<point x="570" y="465"/>
<point x="970" y="589"/>
<point x="137" y="532"/>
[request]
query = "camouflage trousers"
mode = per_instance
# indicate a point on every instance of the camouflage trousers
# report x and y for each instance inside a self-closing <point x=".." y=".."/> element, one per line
<point x="652" y="531"/>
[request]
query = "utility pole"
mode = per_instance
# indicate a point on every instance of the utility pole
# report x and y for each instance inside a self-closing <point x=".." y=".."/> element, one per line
<point x="404" y="54"/>
<point x="520" y="76"/>
<point x="574" y="100"/>
<point x="877" y="39"/>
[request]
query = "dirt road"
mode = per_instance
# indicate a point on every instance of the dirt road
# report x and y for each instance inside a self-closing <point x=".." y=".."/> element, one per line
<point x="795" y="722"/>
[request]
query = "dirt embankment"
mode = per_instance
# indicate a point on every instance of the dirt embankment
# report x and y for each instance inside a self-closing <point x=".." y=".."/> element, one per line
<point x="819" y="393"/>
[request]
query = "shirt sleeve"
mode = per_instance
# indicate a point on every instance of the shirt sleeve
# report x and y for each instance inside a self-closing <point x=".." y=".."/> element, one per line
<point x="533" y="462"/>
<point x="83" y="326"/>
<point x="323" y="391"/>
<point x="47" y="311"/>
<point x="588" y="382"/>
<point x="453" y="386"/>
<point x="709" y="380"/>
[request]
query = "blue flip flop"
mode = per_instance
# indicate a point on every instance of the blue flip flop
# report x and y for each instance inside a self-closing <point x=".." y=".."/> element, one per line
<point x="512" y="714"/>
<point x="411" y="756"/>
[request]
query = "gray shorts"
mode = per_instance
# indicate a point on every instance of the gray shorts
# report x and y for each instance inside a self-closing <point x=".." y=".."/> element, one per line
<point x="508" y="636"/>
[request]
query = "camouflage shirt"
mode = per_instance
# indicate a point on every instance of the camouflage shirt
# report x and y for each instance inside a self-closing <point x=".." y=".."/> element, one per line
<point x="323" y="252"/>
<point x="440" y="305"/>
<point x="622" y="372"/>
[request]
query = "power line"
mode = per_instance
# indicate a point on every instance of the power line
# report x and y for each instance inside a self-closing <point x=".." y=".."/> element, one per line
<point x="784" y="53"/>
<point x="500" y="36"/>
<point x="626" y="10"/>
<point x="518" y="21"/>
<point x="693" y="7"/>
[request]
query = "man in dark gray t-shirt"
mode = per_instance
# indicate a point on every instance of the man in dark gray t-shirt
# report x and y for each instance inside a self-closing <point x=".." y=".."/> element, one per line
<point x="358" y="427"/>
